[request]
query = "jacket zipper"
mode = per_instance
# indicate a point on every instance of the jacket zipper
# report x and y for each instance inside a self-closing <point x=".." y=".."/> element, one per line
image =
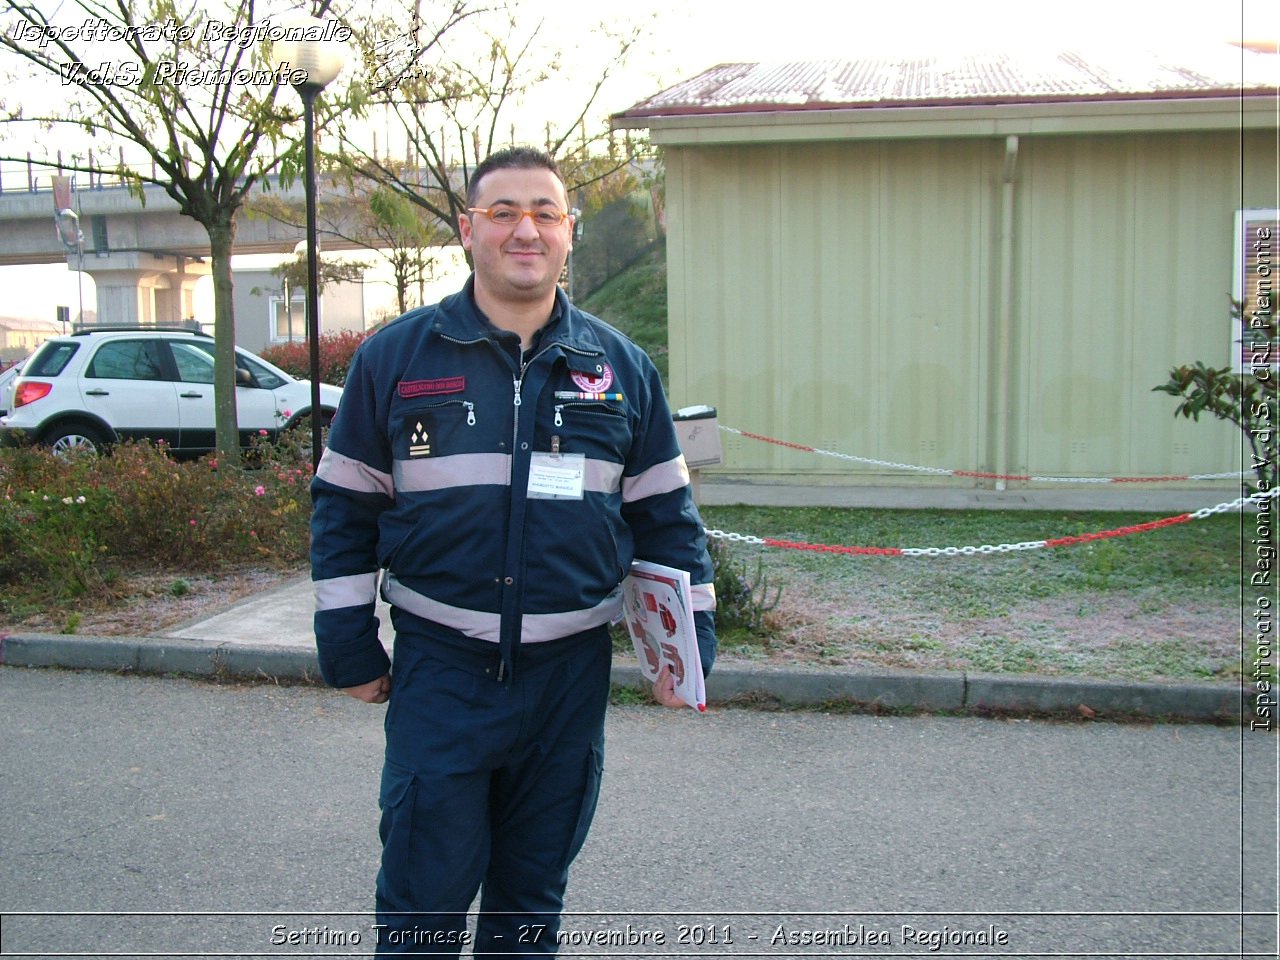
<point x="518" y="383"/>
<point x="517" y="400"/>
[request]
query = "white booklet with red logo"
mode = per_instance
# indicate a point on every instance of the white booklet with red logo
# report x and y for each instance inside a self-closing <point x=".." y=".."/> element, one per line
<point x="657" y="607"/>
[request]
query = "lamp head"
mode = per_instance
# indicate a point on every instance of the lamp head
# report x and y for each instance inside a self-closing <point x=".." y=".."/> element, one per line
<point x="306" y="46"/>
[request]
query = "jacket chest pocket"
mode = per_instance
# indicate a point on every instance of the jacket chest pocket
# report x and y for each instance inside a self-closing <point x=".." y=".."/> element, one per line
<point x="435" y="430"/>
<point x="593" y="427"/>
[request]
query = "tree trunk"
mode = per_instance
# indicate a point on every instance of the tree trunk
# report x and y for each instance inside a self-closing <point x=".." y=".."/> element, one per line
<point x="401" y="270"/>
<point x="226" y="428"/>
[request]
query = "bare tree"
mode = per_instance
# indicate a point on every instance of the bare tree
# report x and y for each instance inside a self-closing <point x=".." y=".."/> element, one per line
<point x="451" y="111"/>
<point x="377" y="219"/>
<point x="190" y="84"/>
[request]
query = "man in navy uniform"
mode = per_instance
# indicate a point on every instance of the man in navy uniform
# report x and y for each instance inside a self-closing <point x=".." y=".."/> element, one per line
<point x="500" y="457"/>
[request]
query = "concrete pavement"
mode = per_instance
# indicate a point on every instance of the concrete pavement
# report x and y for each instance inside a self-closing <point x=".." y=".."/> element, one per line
<point x="918" y="493"/>
<point x="269" y="636"/>
<point x="195" y="819"/>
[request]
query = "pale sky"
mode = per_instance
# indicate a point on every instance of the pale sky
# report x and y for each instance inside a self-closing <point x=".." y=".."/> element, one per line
<point x="721" y="31"/>
<point x="688" y="39"/>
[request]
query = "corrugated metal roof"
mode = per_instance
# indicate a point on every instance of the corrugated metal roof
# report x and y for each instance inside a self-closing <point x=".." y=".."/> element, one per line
<point x="965" y="79"/>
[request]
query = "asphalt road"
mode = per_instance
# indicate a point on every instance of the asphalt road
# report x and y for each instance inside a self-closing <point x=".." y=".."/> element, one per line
<point x="198" y="820"/>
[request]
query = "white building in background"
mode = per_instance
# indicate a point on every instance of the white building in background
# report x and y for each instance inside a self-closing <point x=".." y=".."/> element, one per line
<point x="268" y="314"/>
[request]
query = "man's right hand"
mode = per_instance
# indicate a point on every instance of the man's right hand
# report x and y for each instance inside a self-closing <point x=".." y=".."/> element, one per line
<point x="375" y="691"/>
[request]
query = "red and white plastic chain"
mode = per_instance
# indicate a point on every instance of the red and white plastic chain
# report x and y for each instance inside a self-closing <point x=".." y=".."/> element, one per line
<point x="978" y="475"/>
<point x="1200" y="514"/>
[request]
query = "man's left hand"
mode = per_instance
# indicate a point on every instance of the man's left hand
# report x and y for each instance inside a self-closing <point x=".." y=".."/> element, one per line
<point x="664" y="689"/>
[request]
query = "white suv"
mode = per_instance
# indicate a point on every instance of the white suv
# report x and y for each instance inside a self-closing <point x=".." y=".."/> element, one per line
<point x="103" y="385"/>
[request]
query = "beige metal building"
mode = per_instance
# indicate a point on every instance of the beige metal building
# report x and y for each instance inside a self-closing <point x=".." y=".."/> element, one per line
<point x="982" y="264"/>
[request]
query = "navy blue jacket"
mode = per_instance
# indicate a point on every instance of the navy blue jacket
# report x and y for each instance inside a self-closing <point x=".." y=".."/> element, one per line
<point x="427" y="478"/>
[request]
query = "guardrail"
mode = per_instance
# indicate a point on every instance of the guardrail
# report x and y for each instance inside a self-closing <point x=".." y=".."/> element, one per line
<point x="36" y="176"/>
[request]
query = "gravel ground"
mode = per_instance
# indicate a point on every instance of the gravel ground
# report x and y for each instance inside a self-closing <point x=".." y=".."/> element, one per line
<point x="900" y="613"/>
<point x="148" y="604"/>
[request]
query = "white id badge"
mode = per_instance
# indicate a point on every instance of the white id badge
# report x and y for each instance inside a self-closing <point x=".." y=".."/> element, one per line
<point x="556" y="476"/>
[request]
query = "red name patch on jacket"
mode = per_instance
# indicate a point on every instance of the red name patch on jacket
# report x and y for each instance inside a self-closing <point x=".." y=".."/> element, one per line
<point x="430" y="388"/>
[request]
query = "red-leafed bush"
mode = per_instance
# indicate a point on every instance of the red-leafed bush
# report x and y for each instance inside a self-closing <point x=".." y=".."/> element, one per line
<point x="336" y="350"/>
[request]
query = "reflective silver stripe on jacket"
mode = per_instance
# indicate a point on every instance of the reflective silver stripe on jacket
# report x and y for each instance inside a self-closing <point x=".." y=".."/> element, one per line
<point x="458" y="470"/>
<point x="353" y="591"/>
<point x="703" y="596"/>
<point x="536" y="627"/>
<point x="660" y="478"/>
<point x="352" y="474"/>
<point x="602" y="476"/>
<point x="481" y="469"/>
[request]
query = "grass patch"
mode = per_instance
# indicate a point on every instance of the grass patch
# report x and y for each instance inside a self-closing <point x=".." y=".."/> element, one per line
<point x="630" y="695"/>
<point x="635" y="301"/>
<point x="1161" y="605"/>
<point x="1196" y="556"/>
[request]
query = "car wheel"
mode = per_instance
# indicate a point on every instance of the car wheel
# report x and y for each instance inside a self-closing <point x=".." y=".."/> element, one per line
<point x="303" y="420"/>
<point x="68" y="439"/>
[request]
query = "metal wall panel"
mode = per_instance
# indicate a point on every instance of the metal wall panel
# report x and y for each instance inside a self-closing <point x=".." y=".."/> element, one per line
<point x="845" y="295"/>
<point x="1125" y="268"/>
<point x="832" y="295"/>
<point x="1075" y="238"/>
<point x="935" y="249"/>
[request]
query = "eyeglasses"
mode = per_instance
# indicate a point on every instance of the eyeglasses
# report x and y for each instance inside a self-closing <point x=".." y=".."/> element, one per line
<point x="505" y="215"/>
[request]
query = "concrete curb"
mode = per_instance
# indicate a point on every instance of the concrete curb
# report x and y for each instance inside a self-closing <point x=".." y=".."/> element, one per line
<point x="159" y="655"/>
<point x="880" y="690"/>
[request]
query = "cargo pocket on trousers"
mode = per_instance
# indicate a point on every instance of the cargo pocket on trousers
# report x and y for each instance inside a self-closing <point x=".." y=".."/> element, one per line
<point x="397" y="797"/>
<point x="590" y="796"/>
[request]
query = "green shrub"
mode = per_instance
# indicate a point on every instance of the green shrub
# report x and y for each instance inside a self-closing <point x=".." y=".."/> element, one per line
<point x="70" y="527"/>
<point x="1248" y="399"/>
<point x="743" y="595"/>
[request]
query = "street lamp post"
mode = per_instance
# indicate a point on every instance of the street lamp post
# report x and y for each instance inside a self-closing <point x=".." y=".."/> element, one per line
<point x="319" y="62"/>
<point x="69" y="221"/>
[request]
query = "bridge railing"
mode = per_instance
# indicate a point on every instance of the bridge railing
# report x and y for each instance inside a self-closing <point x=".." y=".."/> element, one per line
<point x="36" y="176"/>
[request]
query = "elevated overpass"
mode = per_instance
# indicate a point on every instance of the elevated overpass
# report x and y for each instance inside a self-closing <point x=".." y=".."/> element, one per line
<point x="145" y="257"/>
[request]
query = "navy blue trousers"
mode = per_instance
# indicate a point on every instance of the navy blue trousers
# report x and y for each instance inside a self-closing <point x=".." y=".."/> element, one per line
<point x="487" y="786"/>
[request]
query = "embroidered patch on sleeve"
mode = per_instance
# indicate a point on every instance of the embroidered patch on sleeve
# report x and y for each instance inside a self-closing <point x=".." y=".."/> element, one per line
<point x="431" y="388"/>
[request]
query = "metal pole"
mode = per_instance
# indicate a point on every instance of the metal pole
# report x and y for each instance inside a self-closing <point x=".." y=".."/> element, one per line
<point x="309" y="94"/>
<point x="79" y="255"/>
<point x="1004" y="314"/>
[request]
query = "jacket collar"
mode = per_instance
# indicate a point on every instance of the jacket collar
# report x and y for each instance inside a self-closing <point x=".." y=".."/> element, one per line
<point x="457" y="317"/>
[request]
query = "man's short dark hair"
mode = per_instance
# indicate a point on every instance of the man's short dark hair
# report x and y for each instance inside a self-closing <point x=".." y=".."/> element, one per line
<point x="517" y="158"/>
